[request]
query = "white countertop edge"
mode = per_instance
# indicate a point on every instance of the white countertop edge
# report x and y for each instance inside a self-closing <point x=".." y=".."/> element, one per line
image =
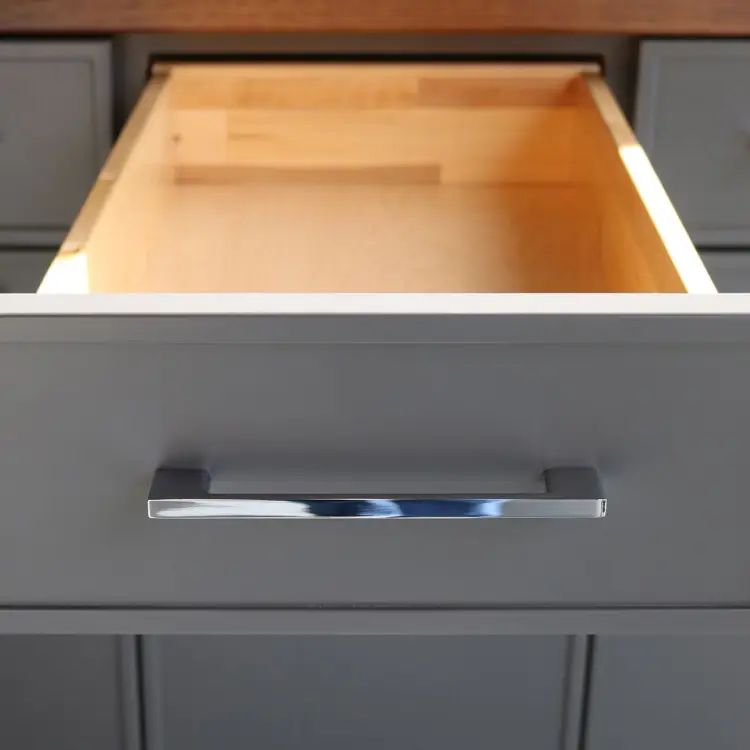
<point x="374" y="304"/>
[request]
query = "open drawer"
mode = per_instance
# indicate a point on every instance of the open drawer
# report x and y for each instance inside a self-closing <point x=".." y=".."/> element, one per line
<point x="377" y="178"/>
<point x="383" y="280"/>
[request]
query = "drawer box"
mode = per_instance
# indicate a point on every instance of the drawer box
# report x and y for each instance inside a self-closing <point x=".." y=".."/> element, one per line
<point x="339" y="280"/>
<point x="55" y="133"/>
<point x="401" y="179"/>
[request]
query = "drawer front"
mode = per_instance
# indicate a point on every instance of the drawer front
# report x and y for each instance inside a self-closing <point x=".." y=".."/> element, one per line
<point x="55" y="131"/>
<point x="693" y="118"/>
<point x="21" y="271"/>
<point x="91" y="408"/>
<point x="730" y="271"/>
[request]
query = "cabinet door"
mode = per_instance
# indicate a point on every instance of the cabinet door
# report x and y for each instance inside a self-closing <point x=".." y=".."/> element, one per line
<point x="654" y="693"/>
<point x="68" y="693"/>
<point x="692" y="116"/>
<point x="369" y="693"/>
<point x="55" y="132"/>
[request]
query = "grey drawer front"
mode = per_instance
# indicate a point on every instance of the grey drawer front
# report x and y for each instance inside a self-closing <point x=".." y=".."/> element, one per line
<point x="91" y="407"/>
<point x="55" y="131"/>
<point x="693" y="118"/>
<point x="730" y="271"/>
<point x="364" y="692"/>
<point x="21" y="271"/>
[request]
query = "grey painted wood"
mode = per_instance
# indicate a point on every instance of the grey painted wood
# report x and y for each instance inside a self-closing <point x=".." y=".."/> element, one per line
<point x="618" y="53"/>
<point x="67" y="693"/>
<point x="693" y="118"/>
<point x="670" y="692"/>
<point x="376" y="621"/>
<point x="55" y="132"/>
<point x="21" y="271"/>
<point x="86" y="424"/>
<point x="366" y="692"/>
<point x="730" y="270"/>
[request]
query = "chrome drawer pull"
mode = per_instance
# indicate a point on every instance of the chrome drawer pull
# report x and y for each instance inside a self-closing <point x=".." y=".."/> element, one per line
<point x="184" y="494"/>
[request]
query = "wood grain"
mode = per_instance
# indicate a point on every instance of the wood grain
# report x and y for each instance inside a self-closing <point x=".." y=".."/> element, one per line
<point x="357" y="86"/>
<point x="511" y="144"/>
<point x="725" y="17"/>
<point x="459" y="124"/>
<point x="125" y="206"/>
<point x="118" y="157"/>
<point x="367" y="238"/>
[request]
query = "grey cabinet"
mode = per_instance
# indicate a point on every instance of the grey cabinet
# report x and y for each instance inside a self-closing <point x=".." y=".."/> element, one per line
<point x="670" y="692"/>
<point x="68" y="693"/>
<point x="337" y="693"/>
<point x="55" y="131"/>
<point x="331" y="393"/>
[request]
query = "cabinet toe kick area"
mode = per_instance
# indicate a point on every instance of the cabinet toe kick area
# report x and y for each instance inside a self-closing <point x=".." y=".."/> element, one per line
<point x="377" y="178"/>
<point x="451" y="301"/>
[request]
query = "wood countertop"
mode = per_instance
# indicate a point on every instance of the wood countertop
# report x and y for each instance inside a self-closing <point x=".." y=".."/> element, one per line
<point x="652" y="17"/>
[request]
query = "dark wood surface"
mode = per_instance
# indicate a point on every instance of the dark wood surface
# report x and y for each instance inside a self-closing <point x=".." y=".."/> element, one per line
<point x="715" y="17"/>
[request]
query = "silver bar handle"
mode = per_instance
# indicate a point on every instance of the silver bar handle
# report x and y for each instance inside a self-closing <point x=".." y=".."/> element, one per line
<point x="185" y="494"/>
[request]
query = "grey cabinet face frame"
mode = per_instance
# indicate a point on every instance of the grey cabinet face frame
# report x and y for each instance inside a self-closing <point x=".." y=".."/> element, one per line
<point x="693" y="119"/>
<point x="55" y="133"/>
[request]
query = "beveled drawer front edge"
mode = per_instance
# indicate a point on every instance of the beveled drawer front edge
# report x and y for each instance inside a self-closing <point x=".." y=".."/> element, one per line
<point x="373" y="621"/>
<point x="381" y="309"/>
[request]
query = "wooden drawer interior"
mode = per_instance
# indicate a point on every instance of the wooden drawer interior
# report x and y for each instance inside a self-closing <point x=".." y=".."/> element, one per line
<point x="297" y="178"/>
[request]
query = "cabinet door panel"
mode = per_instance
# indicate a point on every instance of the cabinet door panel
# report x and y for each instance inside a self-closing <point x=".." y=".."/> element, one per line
<point x="369" y="693"/>
<point x="68" y="693"/>
<point x="55" y="132"/>
<point x="653" y="693"/>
